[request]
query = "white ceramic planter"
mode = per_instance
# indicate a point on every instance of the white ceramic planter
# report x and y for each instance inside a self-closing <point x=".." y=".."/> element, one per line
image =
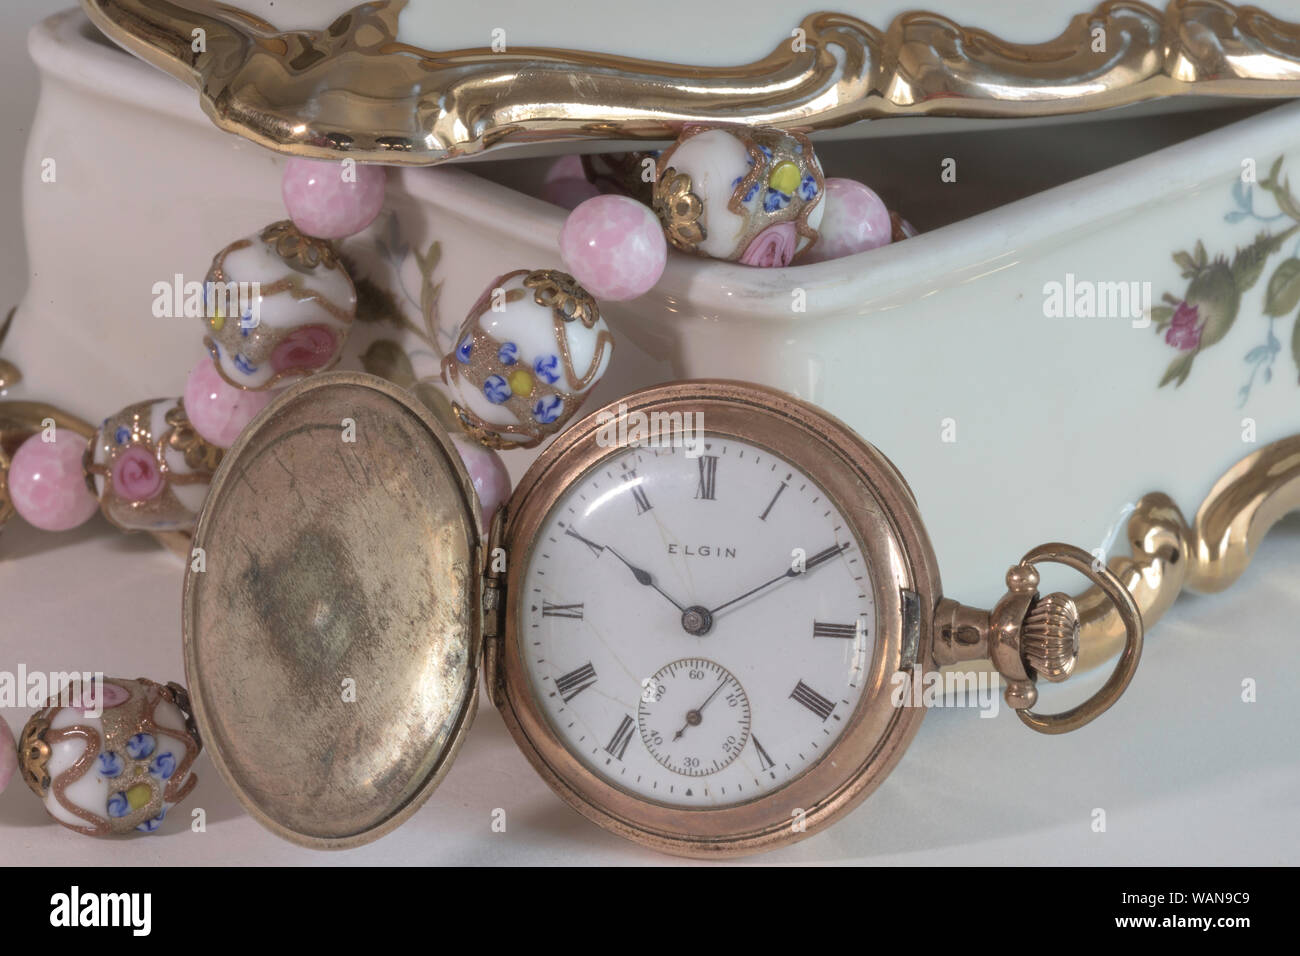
<point x="1012" y="427"/>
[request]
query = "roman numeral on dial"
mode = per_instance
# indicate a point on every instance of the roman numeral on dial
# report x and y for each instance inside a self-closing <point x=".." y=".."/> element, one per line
<point x="575" y="682"/>
<point x="822" y="629"/>
<point x="638" y="494"/>
<point x="814" y="701"/>
<point x="617" y="745"/>
<point x="708" y="485"/>
<point x="595" y="548"/>
<point x="562" y="610"/>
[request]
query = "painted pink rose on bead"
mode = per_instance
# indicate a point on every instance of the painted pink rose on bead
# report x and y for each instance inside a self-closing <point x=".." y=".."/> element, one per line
<point x="1184" y="331"/>
<point x="307" y="348"/>
<point x="8" y="755"/>
<point x="136" y="476"/>
<point x="47" y="484"/>
<point x="772" y="248"/>
<point x="98" y="698"/>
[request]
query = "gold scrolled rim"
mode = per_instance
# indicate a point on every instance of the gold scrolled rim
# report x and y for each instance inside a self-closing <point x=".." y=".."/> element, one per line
<point x="301" y="92"/>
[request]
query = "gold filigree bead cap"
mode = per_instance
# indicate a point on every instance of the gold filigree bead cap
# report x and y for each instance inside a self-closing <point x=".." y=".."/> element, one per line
<point x="1049" y="637"/>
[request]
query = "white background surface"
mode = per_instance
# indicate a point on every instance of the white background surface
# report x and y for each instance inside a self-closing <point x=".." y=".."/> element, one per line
<point x="1186" y="772"/>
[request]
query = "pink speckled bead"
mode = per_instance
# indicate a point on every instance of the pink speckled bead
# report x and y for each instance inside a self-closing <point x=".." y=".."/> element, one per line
<point x="486" y="470"/>
<point x="8" y="755"/>
<point x="566" y="183"/>
<point x="614" y="246"/>
<point x="217" y="410"/>
<point x="855" y="220"/>
<point x="47" y="484"/>
<point x="325" y="203"/>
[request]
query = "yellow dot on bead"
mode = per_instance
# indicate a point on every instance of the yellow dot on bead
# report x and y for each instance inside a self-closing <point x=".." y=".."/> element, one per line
<point x="521" y="383"/>
<point x="138" y="796"/>
<point x="785" y="178"/>
<point x="217" y="320"/>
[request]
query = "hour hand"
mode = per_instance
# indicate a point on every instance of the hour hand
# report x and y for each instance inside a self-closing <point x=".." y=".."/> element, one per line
<point x="642" y="576"/>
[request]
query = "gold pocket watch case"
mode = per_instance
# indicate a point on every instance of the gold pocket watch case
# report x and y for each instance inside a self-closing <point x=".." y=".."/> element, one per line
<point x="342" y="596"/>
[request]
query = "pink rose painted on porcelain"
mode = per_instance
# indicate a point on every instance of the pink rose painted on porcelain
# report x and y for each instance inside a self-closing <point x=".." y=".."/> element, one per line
<point x="772" y="248"/>
<point x="308" y="348"/>
<point x="1184" y="331"/>
<point x="136" y="476"/>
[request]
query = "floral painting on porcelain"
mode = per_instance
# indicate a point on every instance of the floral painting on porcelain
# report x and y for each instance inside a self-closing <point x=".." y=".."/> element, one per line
<point x="1208" y="308"/>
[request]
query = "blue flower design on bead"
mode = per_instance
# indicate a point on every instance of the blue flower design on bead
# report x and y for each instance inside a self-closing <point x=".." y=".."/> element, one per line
<point x="118" y="805"/>
<point x="547" y="410"/>
<point x="808" y="188"/>
<point x="766" y="151"/>
<point x="163" y="766"/>
<point x="152" y="824"/>
<point x="547" y="368"/>
<point x="243" y="364"/>
<point x="774" y="199"/>
<point x="508" y="354"/>
<point x="750" y="192"/>
<point x="497" y="390"/>
<point x="463" y="350"/>
<point x="110" y="765"/>
<point x="141" y="746"/>
<point x="122" y="435"/>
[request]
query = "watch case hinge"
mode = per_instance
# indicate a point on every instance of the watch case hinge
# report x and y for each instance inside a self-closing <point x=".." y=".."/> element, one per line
<point x="493" y="605"/>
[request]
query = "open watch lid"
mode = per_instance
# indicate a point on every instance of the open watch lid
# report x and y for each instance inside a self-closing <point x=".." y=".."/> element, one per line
<point x="404" y="82"/>
<point x="331" y="611"/>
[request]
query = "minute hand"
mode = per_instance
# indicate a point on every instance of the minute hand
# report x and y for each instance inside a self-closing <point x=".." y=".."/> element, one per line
<point x="819" y="558"/>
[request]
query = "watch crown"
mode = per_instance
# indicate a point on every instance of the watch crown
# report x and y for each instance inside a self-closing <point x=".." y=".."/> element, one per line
<point x="1049" y="637"/>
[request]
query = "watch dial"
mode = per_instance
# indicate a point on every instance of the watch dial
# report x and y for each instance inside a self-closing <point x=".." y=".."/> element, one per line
<point x="698" y="629"/>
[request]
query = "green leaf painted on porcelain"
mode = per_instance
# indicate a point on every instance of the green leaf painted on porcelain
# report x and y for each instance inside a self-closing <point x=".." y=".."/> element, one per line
<point x="1283" y="289"/>
<point x="1178" y="370"/>
<point x="1215" y="295"/>
<point x="388" y="360"/>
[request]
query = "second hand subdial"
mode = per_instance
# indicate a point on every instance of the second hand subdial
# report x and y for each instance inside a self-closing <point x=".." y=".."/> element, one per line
<point x="718" y="740"/>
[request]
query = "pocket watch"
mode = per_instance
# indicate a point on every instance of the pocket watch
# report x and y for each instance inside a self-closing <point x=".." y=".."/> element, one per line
<point x="691" y="614"/>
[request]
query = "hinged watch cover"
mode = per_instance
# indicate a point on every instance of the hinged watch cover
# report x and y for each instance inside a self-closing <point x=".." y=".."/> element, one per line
<point x="331" y="611"/>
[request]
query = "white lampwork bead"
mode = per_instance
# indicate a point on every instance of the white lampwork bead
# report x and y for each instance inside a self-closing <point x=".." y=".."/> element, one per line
<point x="856" y="219"/>
<point x="280" y="306"/>
<point x="112" y="756"/>
<point x="745" y="195"/>
<point x="528" y="353"/>
<point x="151" y="467"/>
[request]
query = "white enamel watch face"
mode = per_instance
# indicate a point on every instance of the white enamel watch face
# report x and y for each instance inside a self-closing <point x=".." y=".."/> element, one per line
<point x="698" y="626"/>
<point x="698" y="637"/>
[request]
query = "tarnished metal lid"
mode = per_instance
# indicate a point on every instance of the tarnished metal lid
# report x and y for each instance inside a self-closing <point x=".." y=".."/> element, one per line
<point x="332" y="627"/>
